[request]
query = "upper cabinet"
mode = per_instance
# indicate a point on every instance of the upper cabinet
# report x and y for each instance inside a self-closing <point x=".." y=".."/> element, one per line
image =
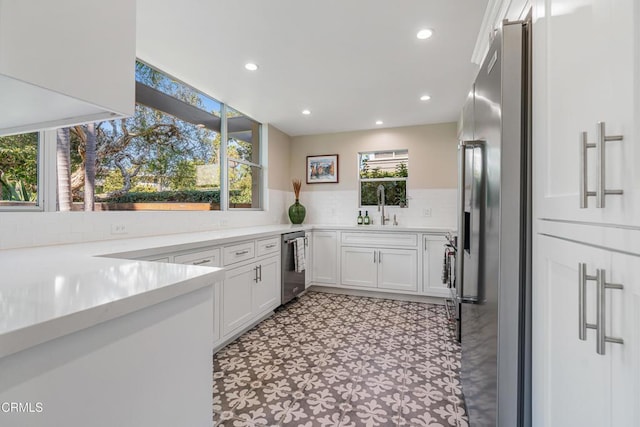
<point x="585" y="109"/>
<point x="65" y="62"/>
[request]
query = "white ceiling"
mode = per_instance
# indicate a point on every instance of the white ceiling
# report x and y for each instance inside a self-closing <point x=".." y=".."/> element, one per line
<point x="351" y="62"/>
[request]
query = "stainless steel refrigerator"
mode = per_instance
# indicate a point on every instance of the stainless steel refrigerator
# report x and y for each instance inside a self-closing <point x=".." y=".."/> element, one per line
<point x="494" y="234"/>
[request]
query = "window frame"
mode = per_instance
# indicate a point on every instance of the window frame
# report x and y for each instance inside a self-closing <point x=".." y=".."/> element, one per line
<point x="41" y="157"/>
<point x="383" y="179"/>
<point x="260" y="167"/>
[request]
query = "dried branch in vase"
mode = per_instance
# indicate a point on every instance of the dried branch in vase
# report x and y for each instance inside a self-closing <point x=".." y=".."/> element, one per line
<point x="297" y="184"/>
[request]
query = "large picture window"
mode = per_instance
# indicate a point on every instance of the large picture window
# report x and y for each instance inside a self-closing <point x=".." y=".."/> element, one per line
<point x="386" y="168"/>
<point x="19" y="172"/>
<point x="166" y="157"/>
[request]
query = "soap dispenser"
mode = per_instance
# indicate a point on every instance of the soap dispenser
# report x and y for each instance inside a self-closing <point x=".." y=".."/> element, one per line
<point x="367" y="220"/>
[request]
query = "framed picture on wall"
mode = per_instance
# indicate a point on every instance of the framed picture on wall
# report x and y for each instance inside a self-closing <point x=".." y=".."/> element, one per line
<point x="322" y="169"/>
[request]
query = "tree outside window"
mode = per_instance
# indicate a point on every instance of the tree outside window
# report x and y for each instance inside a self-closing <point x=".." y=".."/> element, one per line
<point x="386" y="168"/>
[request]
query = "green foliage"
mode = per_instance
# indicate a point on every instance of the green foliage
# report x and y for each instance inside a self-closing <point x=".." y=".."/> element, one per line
<point x="186" y="196"/>
<point x="395" y="192"/>
<point x="19" y="159"/>
<point x="15" y="191"/>
<point x="366" y="172"/>
<point x="184" y="176"/>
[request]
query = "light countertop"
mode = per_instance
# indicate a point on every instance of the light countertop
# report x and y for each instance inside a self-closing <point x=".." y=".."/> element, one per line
<point x="50" y="291"/>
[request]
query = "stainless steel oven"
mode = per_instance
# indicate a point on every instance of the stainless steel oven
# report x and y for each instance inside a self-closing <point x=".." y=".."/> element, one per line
<point x="293" y="282"/>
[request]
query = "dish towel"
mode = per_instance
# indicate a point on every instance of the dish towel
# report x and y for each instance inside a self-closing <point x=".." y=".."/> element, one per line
<point x="299" y="254"/>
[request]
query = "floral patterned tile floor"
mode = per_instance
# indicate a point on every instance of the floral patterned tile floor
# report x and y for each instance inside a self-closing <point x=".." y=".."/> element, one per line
<point x="339" y="360"/>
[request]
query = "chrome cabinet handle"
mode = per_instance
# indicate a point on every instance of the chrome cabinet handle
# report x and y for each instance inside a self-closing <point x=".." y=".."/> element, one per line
<point x="601" y="190"/>
<point x="582" y="301"/>
<point x="600" y="146"/>
<point x="584" y="193"/>
<point x="260" y="269"/>
<point x="380" y="256"/>
<point x="273" y="245"/>
<point x="374" y="257"/>
<point x="600" y="325"/>
<point x="246" y="251"/>
<point x="204" y="261"/>
<point x="255" y="279"/>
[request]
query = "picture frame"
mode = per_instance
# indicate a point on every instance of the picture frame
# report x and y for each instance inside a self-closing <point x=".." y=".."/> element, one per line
<point x="322" y="169"/>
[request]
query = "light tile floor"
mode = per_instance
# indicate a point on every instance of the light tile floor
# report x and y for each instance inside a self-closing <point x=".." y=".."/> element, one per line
<point x="338" y="360"/>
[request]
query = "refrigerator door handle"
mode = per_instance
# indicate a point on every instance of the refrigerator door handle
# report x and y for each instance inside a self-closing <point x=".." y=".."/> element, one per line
<point x="462" y="147"/>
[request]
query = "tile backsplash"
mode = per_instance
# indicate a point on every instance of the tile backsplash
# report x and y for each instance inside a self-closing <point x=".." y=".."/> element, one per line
<point x="341" y="207"/>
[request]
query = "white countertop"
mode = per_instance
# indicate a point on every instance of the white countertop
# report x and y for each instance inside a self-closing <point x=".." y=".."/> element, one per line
<point x="50" y="291"/>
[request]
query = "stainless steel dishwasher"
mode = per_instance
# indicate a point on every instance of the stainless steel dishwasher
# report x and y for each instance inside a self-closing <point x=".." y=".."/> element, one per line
<point x="293" y="283"/>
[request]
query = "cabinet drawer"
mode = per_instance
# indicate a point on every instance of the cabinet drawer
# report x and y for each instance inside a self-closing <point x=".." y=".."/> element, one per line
<point x="380" y="239"/>
<point x="240" y="252"/>
<point x="268" y="246"/>
<point x="210" y="257"/>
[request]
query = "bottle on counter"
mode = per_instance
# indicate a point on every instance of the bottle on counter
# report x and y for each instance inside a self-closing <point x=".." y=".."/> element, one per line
<point x="360" y="219"/>
<point x="367" y="220"/>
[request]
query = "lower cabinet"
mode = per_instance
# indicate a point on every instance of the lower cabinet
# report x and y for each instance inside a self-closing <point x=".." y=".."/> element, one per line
<point x="573" y="383"/>
<point x="266" y="289"/>
<point x="324" y="253"/>
<point x="433" y="256"/>
<point x="395" y="269"/>
<point x="237" y="305"/>
<point x="248" y="292"/>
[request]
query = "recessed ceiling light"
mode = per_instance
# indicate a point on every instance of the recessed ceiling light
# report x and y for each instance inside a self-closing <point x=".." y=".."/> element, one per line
<point x="379" y="122"/>
<point x="306" y="112"/>
<point x="425" y="98"/>
<point x="251" y="66"/>
<point x="424" y="34"/>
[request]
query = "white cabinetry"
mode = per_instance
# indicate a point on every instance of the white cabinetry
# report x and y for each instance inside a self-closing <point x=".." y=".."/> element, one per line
<point x="237" y="306"/>
<point x="325" y="257"/>
<point x="394" y="269"/>
<point x="434" y="246"/>
<point x="398" y="269"/>
<point x="359" y="267"/>
<point x="65" y="62"/>
<point x="585" y="57"/>
<point x="573" y="384"/>
<point x="266" y="289"/>
<point x="374" y="266"/>
<point x="308" y="275"/>
<point x="207" y="257"/>
<point x="253" y="288"/>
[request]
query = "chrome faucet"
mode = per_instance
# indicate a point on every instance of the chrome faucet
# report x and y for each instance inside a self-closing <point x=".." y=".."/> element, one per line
<point x="380" y="194"/>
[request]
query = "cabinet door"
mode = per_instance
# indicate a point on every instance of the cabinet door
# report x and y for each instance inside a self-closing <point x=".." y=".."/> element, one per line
<point x="308" y="258"/>
<point x="623" y="315"/>
<point x="432" y="266"/>
<point x="325" y="254"/>
<point x="571" y="382"/>
<point x="236" y="297"/>
<point x="585" y="55"/>
<point x="266" y="291"/>
<point x="359" y="267"/>
<point x="217" y="313"/>
<point x="398" y="269"/>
